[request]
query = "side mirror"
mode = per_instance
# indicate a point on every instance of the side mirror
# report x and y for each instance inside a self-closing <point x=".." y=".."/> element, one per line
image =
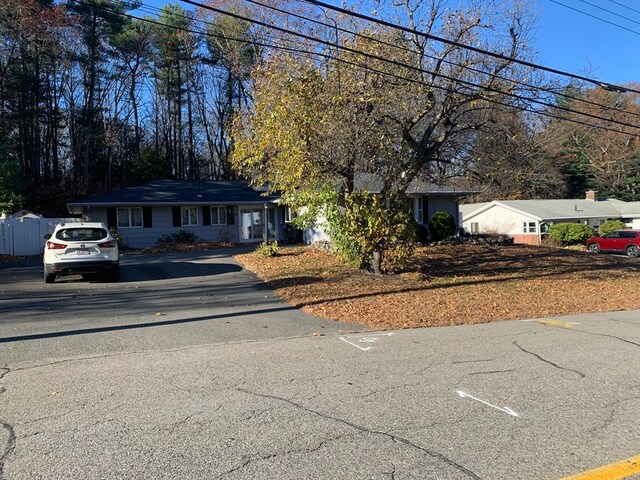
<point x="47" y="236"/>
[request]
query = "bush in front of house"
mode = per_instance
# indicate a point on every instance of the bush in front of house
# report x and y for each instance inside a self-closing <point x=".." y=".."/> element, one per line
<point x="268" y="249"/>
<point x="441" y="226"/>
<point x="570" y="233"/>
<point x="611" y="225"/>
<point x="181" y="237"/>
<point x="122" y="245"/>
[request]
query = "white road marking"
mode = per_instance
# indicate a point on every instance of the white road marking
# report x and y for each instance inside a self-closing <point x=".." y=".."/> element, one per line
<point x="374" y="337"/>
<point x="502" y="409"/>
<point x="357" y="346"/>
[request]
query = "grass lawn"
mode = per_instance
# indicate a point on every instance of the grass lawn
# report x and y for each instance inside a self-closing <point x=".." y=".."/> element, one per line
<point x="450" y="285"/>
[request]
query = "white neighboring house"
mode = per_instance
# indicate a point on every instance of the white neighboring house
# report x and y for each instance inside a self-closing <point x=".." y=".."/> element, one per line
<point x="527" y="221"/>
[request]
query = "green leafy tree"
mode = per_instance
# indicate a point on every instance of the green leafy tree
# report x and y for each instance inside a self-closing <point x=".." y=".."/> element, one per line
<point x="366" y="232"/>
<point x="11" y="188"/>
<point x="313" y="124"/>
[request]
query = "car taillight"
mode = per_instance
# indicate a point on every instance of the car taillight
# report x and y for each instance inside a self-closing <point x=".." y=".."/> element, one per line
<point x="109" y="244"/>
<point x="55" y="246"/>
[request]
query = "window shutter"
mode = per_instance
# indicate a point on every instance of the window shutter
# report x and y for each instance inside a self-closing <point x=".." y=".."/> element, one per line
<point x="112" y="217"/>
<point x="206" y="215"/>
<point x="146" y="217"/>
<point x="230" y="216"/>
<point x="177" y="217"/>
<point x="425" y="209"/>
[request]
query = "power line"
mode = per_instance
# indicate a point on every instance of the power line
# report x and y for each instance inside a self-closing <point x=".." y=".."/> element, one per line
<point x="476" y="96"/>
<point x="605" y="85"/>
<point x="602" y="20"/>
<point x="400" y="64"/>
<point x="625" y="6"/>
<point x="302" y="17"/>
<point x="466" y="67"/>
<point x="610" y="11"/>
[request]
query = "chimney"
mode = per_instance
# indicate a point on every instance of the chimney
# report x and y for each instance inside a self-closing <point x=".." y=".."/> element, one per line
<point x="592" y="195"/>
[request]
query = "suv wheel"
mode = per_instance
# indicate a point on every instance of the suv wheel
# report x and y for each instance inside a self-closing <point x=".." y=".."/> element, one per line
<point x="594" y="248"/>
<point x="633" y="251"/>
<point x="49" y="277"/>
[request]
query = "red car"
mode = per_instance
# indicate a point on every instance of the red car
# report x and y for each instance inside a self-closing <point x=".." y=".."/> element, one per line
<point x="627" y="241"/>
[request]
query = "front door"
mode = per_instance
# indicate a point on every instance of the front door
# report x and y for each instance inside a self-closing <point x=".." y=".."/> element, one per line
<point x="252" y="223"/>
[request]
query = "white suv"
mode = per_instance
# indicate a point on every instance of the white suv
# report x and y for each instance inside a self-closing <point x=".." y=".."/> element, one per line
<point x="80" y="248"/>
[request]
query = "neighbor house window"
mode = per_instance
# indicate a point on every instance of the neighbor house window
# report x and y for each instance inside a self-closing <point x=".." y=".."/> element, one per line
<point x="529" y="227"/>
<point x="218" y="215"/>
<point x="189" y="216"/>
<point x="474" y="227"/>
<point x="129" y="217"/>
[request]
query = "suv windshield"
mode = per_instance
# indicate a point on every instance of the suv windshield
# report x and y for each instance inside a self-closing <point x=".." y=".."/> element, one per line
<point x="81" y="234"/>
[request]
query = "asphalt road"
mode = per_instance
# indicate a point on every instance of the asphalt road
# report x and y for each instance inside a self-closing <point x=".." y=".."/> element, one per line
<point x="146" y="379"/>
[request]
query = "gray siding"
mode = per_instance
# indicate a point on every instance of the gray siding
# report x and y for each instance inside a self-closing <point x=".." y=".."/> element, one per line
<point x="162" y="221"/>
<point x="442" y="203"/>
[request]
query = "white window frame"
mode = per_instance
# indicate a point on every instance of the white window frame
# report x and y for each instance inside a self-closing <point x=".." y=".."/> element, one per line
<point x="192" y="216"/>
<point x="221" y="214"/>
<point x="418" y="214"/>
<point x="129" y="211"/>
<point x="289" y="214"/>
<point x="475" y="227"/>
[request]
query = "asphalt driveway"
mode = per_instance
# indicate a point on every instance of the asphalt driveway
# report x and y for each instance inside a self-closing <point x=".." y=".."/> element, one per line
<point x="157" y="297"/>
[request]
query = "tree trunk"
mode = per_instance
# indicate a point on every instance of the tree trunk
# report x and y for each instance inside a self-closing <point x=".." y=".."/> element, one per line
<point x="377" y="262"/>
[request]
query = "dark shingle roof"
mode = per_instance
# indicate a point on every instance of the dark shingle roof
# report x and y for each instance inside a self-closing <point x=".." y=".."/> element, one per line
<point x="180" y="192"/>
<point x="374" y="183"/>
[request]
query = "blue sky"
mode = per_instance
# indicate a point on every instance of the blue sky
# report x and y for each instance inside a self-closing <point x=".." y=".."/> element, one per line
<point x="573" y="42"/>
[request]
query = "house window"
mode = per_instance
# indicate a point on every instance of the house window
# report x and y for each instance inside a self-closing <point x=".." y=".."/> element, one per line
<point x="289" y="214"/>
<point x="189" y="216"/>
<point x="129" y="217"/>
<point x="529" y="227"/>
<point x="474" y="227"/>
<point x="218" y="215"/>
<point x="418" y="210"/>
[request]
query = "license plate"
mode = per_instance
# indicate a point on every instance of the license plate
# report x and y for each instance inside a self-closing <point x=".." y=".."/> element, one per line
<point x="82" y="252"/>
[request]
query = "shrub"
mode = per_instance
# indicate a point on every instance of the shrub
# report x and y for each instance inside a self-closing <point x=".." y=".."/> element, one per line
<point x="183" y="236"/>
<point x="366" y="225"/>
<point x="423" y="233"/>
<point x="610" y="226"/>
<point x="570" y="233"/>
<point x="122" y="245"/>
<point x="441" y="226"/>
<point x="268" y="249"/>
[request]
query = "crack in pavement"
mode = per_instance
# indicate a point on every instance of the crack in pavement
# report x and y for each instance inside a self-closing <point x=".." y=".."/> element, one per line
<point x="548" y="361"/>
<point x="9" y="446"/>
<point x="613" y="408"/>
<point x="493" y="371"/>
<point x="395" y="438"/>
<point x="607" y="335"/>
<point x="473" y="361"/>
<point x="392" y="387"/>
<point x="250" y="460"/>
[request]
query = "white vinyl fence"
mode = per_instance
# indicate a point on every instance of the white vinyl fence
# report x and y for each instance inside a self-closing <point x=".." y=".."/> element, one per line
<point x="24" y="235"/>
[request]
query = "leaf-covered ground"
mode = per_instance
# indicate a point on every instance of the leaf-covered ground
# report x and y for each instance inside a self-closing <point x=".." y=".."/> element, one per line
<point x="451" y="285"/>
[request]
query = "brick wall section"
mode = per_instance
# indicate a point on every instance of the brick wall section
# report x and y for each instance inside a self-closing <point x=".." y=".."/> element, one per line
<point x="532" y="239"/>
